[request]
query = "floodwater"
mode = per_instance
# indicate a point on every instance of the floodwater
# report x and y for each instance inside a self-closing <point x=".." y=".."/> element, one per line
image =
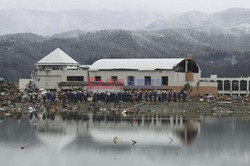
<point x="196" y="142"/>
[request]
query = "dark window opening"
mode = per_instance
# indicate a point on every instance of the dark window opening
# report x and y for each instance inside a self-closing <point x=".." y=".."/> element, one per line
<point x="243" y="85"/>
<point x="75" y="78"/>
<point x="164" y="80"/>
<point x="235" y="85"/>
<point x="227" y="85"/>
<point x="114" y="78"/>
<point x="98" y="78"/>
<point x="249" y="86"/>
<point x="57" y="67"/>
<point x="50" y="67"/>
<point x="147" y="80"/>
<point x="131" y="80"/>
<point x="220" y="85"/>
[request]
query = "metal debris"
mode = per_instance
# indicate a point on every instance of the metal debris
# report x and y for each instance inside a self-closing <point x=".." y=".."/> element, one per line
<point x="134" y="142"/>
<point x="117" y="140"/>
<point x="24" y="146"/>
<point x="171" y="140"/>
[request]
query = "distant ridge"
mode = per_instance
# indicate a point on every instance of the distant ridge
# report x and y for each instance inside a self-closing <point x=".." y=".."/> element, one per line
<point x="49" y="23"/>
<point x="225" y="54"/>
<point x="229" y="21"/>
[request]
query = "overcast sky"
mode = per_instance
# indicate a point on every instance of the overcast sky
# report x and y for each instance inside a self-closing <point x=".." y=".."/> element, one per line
<point x="168" y="6"/>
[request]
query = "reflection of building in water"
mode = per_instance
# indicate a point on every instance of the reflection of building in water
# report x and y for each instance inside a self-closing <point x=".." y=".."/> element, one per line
<point x="182" y="129"/>
<point x="14" y="132"/>
<point x="100" y="130"/>
<point x="56" y="134"/>
<point x="189" y="133"/>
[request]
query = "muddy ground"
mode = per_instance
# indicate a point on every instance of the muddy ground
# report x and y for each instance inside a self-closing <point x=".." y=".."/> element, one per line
<point x="188" y="109"/>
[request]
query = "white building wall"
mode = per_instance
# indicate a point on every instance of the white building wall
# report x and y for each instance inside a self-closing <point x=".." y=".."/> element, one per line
<point x="23" y="83"/>
<point x="174" y="78"/>
<point x="197" y="76"/>
<point x="50" y="80"/>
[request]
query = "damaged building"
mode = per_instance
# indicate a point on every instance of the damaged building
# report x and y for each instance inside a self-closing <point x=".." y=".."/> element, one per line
<point x="231" y="86"/>
<point x="58" y="71"/>
<point x="152" y="74"/>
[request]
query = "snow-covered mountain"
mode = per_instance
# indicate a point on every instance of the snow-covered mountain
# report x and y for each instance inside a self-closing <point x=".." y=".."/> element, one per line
<point x="215" y="52"/>
<point x="231" y="20"/>
<point x="48" y="23"/>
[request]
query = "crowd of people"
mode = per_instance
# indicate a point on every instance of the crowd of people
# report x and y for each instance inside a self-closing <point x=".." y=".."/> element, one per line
<point x="139" y="96"/>
<point x="111" y="96"/>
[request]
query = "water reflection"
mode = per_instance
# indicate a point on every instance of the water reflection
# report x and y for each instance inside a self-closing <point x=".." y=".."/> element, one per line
<point x="62" y="142"/>
<point x="98" y="132"/>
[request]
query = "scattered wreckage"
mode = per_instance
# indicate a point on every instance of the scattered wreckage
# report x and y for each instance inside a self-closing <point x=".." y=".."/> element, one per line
<point x="15" y="103"/>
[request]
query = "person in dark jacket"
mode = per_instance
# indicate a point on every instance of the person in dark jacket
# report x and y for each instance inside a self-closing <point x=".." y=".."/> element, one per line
<point x="155" y="96"/>
<point x="174" y="95"/>
<point x="150" y="96"/>
<point x="146" y="96"/>
<point x="169" y="96"/>
<point x="94" y="99"/>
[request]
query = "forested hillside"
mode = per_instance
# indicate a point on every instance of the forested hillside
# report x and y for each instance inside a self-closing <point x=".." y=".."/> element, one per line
<point x="217" y="53"/>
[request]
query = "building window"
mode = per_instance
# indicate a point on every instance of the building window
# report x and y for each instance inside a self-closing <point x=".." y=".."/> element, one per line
<point x="98" y="78"/>
<point x="131" y="80"/>
<point x="75" y="78"/>
<point x="113" y="78"/>
<point x="164" y="80"/>
<point x="235" y="85"/>
<point x="249" y="86"/>
<point x="220" y="85"/>
<point x="147" y="80"/>
<point x="227" y="85"/>
<point x="243" y="85"/>
<point x="57" y="68"/>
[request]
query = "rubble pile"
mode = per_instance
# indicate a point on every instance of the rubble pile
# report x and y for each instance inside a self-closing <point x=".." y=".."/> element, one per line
<point x="35" y="103"/>
<point x="9" y="98"/>
<point x="46" y="104"/>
